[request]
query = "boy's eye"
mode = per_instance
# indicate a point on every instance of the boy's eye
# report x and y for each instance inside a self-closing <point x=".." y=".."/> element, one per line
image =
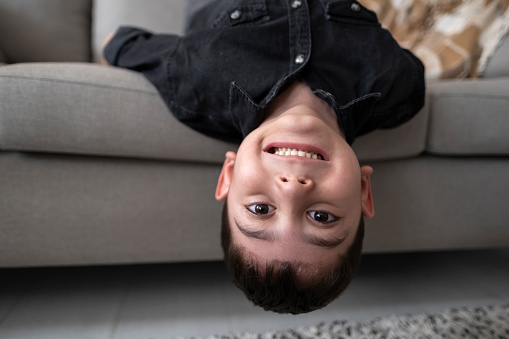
<point x="260" y="209"/>
<point x="322" y="217"/>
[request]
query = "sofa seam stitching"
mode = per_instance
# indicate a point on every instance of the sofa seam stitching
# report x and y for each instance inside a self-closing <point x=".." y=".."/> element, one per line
<point x="8" y="147"/>
<point x="126" y="89"/>
<point x="468" y="95"/>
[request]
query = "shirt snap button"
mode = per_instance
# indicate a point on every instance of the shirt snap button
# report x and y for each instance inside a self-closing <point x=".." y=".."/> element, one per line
<point x="299" y="59"/>
<point x="355" y="7"/>
<point x="236" y="14"/>
<point x="296" y="3"/>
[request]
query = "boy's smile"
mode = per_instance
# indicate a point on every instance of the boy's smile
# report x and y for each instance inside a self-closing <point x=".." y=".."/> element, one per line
<point x="303" y="206"/>
<point x="293" y="150"/>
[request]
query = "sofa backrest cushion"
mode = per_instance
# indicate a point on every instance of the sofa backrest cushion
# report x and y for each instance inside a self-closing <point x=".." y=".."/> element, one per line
<point x="498" y="64"/>
<point x="160" y="16"/>
<point x="45" y="30"/>
<point x="469" y="118"/>
<point x="3" y="58"/>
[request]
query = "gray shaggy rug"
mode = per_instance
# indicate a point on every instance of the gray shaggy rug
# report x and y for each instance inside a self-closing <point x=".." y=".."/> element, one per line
<point x="469" y="322"/>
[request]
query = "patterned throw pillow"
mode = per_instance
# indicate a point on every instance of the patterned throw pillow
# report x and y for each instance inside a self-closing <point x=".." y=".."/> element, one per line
<point x="454" y="38"/>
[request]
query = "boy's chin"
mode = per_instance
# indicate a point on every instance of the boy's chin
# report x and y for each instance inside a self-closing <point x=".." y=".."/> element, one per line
<point x="298" y="124"/>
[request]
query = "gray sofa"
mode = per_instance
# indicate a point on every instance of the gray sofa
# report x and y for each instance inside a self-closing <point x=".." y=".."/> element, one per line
<point x="95" y="170"/>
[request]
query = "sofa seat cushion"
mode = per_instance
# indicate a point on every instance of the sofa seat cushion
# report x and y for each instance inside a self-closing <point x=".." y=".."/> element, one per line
<point x="405" y="141"/>
<point x="469" y="117"/>
<point x="89" y="109"/>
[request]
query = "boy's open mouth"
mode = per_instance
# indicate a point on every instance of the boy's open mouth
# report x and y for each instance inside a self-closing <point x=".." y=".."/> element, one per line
<point x="284" y="151"/>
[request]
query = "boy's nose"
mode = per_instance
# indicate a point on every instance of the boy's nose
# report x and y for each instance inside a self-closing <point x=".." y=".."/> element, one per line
<point x="290" y="183"/>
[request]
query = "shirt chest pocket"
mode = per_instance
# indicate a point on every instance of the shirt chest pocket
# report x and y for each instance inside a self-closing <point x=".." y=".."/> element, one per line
<point x="242" y="12"/>
<point x="347" y="11"/>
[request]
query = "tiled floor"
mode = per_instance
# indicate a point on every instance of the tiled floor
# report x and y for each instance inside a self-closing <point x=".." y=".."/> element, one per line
<point x="197" y="299"/>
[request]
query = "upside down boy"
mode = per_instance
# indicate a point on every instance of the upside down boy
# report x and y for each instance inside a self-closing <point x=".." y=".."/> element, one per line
<point x="294" y="82"/>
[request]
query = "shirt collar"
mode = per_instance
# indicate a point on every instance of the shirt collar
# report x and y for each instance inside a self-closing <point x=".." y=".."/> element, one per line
<point x="246" y="114"/>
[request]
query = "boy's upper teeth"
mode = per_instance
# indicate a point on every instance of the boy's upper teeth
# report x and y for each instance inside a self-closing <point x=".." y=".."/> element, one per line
<point x="298" y="152"/>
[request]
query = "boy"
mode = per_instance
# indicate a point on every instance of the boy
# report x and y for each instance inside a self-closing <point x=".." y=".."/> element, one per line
<point x="294" y="82"/>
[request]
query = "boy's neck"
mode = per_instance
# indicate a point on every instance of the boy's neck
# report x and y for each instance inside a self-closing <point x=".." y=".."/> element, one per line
<point x="299" y="99"/>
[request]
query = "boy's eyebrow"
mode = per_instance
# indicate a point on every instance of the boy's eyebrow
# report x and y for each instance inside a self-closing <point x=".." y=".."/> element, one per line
<point x="309" y="238"/>
<point x="323" y="242"/>
<point x="262" y="234"/>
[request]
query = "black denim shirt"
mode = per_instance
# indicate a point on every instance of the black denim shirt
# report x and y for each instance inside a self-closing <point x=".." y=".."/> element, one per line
<point x="237" y="55"/>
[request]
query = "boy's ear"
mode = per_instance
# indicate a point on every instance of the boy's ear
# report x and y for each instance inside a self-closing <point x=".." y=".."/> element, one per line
<point x="223" y="183"/>
<point x="368" y="208"/>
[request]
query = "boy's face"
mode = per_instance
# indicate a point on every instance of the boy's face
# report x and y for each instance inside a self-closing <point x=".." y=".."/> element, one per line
<point x="291" y="207"/>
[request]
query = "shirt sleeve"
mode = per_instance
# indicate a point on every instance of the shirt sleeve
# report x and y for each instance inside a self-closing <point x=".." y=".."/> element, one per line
<point x="137" y="49"/>
<point x="410" y="83"/>
<point x="405" y="95"/>
<point x="413" y="77"/>
<point x="145" y="52"/>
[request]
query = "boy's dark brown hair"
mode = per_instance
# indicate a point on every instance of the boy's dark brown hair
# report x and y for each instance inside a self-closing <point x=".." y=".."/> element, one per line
<point x="279" y="289"/>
